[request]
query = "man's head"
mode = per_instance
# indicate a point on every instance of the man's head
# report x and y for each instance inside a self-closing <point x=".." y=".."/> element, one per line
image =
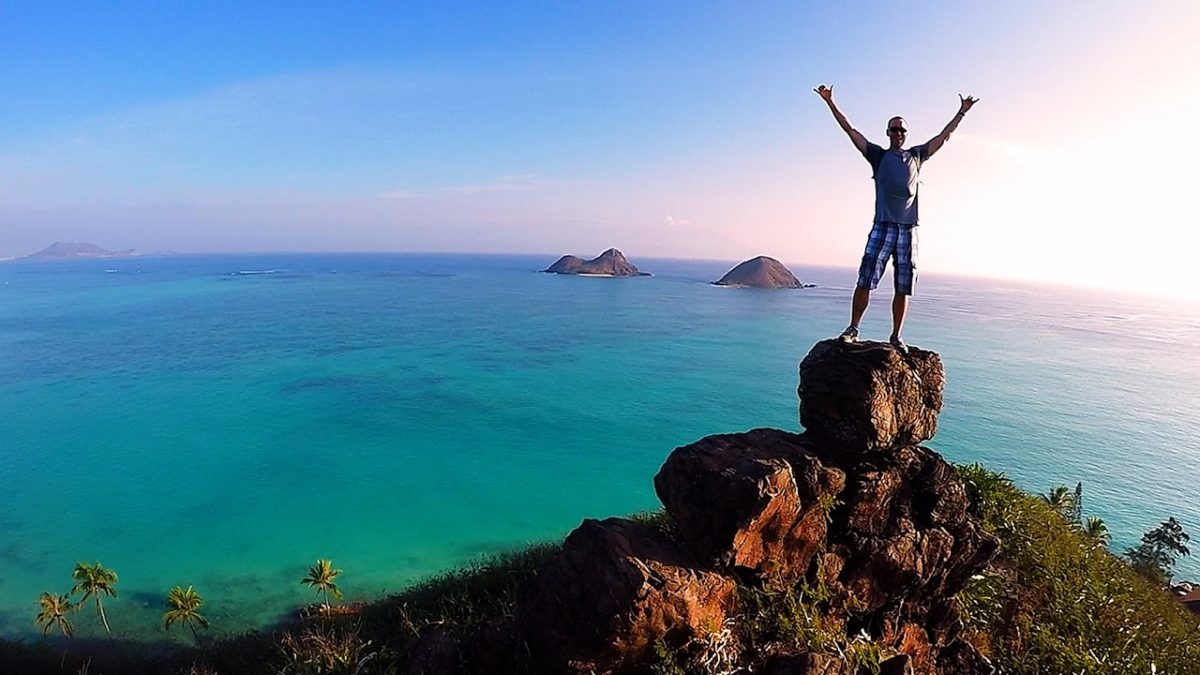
<point x="897" y="131"/>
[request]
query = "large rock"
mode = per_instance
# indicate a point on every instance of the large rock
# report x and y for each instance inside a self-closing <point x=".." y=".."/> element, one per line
<point x="854" y="507"/>
<point x="757" y="500"/>
<point x="867" y="396"/>
<point x="611" y="263"/>
<point x="902" y="543"/>
<point x="760" y="272"/>
<point x="615" y="588"/>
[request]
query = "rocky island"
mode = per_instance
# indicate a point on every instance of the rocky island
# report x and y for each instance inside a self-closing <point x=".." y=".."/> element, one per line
<point x="69" y="250"/>
<point x="611" y="263"/>
<point x="761" y="272"/>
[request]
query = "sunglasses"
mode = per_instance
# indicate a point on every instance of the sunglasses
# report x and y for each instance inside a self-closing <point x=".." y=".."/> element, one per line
<point x="897" y="130"/>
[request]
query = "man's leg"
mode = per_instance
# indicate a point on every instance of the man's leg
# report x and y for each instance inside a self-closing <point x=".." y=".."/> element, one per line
<point x="899" y="309"/>
<point x="878" y="249"/>
<point x="858" y="306"/>
<point x="906" y="274"/>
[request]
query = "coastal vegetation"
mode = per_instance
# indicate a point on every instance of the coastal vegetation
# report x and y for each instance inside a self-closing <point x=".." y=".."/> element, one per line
<point x="183" y="607"/>
<point x="55" y="609"/>
<point x="94" y="581"/>
<point x="1155" y="557"/>
<point x="321" y="577"/>
<point x="1055" y="600"/>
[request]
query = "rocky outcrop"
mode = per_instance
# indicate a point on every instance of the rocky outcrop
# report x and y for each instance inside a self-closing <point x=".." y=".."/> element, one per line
<point x="761" y="272"/>
<point x="854" y="506"/>
<point x="611" y="263"/>
<point x="616" y="587"/>
<point x="868" y="396"/>
<point x="757" y="501"/>
<point x="62" y="250"/>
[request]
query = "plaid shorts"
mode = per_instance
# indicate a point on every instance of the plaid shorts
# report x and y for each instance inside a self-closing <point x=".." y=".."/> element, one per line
<point x="885" y="241"/>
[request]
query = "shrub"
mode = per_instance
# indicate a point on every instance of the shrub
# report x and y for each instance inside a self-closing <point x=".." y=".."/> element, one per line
<point x="1055" y="602"/>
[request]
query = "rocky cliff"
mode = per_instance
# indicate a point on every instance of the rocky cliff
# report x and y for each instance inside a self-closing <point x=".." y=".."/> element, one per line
<point x="761" y="272"/>
<point x="610" y="263"/>
<point x="861" y="529"/>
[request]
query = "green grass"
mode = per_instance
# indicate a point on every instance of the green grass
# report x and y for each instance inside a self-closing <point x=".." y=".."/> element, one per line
<point x="1056" y="601"/>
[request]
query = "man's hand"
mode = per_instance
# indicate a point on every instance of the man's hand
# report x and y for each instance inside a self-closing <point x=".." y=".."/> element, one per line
<point x="935" y="143"/>
<point x="826" y="94"/>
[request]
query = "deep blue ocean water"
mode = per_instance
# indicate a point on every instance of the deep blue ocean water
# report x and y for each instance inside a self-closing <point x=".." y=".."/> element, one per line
<point x="186" y="422"/>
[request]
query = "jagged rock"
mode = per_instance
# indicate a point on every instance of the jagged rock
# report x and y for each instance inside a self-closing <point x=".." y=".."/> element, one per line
<point x="868" y="396"/>
<point x="756" y="500"/>
<point x="913" y="644"/>
<point x="610" y="263"/>
<point x="616" y="586"/>
<point x="900" y="664"/>
<point x="760" y="272"/>
<point x="436" y="652"/>
<point x="903" y="534"/>
<point x="854" y="506"/>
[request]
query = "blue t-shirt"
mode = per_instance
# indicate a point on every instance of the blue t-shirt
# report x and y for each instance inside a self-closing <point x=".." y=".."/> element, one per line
<point x="896" y="174"/>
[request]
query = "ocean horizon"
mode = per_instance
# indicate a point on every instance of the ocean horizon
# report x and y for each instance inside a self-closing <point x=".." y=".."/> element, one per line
<point x="224" y="420"/>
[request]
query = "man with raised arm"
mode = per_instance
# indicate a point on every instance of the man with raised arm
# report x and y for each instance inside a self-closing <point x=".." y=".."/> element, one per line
<point x="894" y="234"/>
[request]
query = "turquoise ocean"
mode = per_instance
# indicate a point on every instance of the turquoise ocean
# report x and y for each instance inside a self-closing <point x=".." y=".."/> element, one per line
<point x="223" y="421"/>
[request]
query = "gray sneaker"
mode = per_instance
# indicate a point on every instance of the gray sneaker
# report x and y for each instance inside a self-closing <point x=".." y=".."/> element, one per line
<point x="849" y="335"/>
<point x="899" y="344"/>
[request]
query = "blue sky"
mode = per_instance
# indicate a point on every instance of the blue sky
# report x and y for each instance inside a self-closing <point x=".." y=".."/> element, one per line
<point x="665" y="129"/>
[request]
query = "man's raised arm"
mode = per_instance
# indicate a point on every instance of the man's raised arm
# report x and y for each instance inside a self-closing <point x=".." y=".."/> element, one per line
<point x="858" y="139"/>
<point x="935" y="143"/>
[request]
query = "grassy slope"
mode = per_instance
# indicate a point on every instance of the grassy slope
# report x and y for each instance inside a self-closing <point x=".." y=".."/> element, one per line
<point x="1058" y="602"/>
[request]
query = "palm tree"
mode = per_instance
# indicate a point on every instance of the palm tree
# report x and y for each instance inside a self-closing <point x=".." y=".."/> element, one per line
<point x="1060" y="499"/>
<point x="93" y="581"/>
<point x="321" y="577"/>
<point x="54" y="613"/>
<point x="1095" y="529"/>
<point x="183" y="606"/>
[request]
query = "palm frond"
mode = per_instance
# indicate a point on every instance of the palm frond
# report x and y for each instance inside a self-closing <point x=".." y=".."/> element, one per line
<point x="54" y="613"/>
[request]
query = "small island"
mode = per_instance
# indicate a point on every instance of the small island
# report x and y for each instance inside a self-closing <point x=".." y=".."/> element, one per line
<point x="761" y="272"/>
<point x="69" y="250"/>
<point x="611" y="263"/>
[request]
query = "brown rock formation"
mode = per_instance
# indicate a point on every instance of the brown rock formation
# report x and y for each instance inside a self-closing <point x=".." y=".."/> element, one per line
<point x="757" y="500"/>
<point x="610" y="263"/>
<point x="867" y="396"/>
<point x="616" y="587"/>
<point x="760" y="272"/>
<point x="853" y="506"/>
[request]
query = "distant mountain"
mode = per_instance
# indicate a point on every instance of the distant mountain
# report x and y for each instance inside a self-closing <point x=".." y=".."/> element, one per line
<point x="69" y="250"/>
<point x="761" y="272"/>
<point x="611" y="263"/>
